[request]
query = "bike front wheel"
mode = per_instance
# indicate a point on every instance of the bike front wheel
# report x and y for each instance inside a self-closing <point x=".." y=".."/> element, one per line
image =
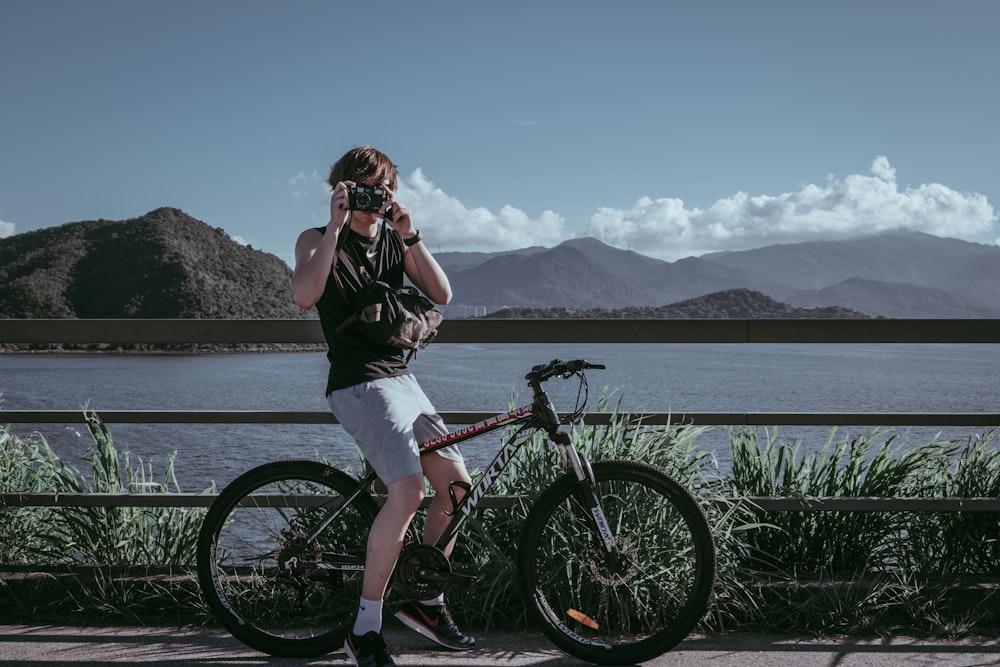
<point x="281" y="556"/>
<point x="625" y="608"/>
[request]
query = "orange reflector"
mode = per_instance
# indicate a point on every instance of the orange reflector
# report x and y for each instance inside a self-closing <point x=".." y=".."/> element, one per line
<point x="580" y="617"/>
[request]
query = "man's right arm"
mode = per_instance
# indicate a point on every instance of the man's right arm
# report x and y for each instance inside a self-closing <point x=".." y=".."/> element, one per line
<point x="314" y="254"/>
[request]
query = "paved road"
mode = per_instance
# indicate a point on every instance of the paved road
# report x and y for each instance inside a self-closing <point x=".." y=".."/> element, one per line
<point x="49" y="646"/>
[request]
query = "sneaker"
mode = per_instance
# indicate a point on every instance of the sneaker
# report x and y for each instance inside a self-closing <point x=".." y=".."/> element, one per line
<point x="435" y="623"/>
<point x="368" y="651"/>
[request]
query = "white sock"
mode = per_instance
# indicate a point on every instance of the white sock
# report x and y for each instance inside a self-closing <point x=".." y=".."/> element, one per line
<point x="434" y="602"/>
<point x="369" y="617"/>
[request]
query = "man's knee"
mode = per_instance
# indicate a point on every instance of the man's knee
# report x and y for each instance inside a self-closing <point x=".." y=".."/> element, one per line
<point x="407" y="493"/>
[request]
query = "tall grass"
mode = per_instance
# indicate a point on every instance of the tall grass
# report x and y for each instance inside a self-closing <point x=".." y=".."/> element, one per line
<point x="813" y="544"/>
<point x="821" y="572"/>
<point x="27" y="465"/>
<point x="872" y="571"/>
<point x="963" y="543"/>
<point x="92" y="544"/>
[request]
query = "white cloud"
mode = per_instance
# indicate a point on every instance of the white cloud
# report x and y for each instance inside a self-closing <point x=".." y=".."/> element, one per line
<point x="7" y="229"/>
<point x="449" y="224"/>
<point x="666" y="228"/>
<point x="303" y="184"/>
<point x="853" y="206"/>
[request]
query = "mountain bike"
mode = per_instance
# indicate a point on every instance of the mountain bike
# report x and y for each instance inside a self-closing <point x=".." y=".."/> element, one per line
<point x="615" y="563"/>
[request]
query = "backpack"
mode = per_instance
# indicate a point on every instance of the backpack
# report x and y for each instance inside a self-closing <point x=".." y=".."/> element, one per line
<point x="401" y="317"/>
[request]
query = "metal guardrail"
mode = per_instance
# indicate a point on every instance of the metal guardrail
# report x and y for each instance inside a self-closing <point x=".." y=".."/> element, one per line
<point x="909" y="331"/>
<point x="517" y="331"/>
<point x="763" y="503"/>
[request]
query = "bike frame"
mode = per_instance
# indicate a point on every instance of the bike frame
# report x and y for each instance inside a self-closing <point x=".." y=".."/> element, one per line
<point x="463" y="508"/>
<point x="539" y="415"/>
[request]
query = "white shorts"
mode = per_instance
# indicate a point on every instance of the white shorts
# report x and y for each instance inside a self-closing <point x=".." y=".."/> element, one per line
<point x="388" y="418"/>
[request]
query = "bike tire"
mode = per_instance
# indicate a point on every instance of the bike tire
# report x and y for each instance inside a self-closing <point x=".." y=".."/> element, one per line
<point x="270" y="587"/>
<point x="630" y="612"/>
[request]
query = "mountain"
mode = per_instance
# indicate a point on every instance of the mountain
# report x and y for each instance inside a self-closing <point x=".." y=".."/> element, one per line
<point x="585" y="273"/>
<point x="729" y="304"/>
<point x="902" y="300"/>
<point x="656" y="282"/>
<point x="561" y="276"/>
<point x="452" y="261"/>
<point x="914" y="258"/>
<point x="167" y="264"/>
<point x="164" y="264"/>
<point x="892" y="274"/>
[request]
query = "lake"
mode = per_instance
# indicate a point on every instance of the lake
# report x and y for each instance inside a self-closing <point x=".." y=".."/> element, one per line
<point x="648" y="377"/>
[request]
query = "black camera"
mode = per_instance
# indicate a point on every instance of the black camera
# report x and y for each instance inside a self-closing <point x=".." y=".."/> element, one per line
<point x="365" y="197"/>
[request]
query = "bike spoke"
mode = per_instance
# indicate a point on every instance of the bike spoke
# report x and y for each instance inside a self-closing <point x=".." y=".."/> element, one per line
<point x="286" y="560"/>
<point x="632" y="605"/>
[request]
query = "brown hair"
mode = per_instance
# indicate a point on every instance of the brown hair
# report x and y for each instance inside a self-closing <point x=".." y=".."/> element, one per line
<point x="361" y="163"/>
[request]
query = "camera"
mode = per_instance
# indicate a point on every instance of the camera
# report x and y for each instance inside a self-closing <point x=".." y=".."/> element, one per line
<point x="365" y="197"/>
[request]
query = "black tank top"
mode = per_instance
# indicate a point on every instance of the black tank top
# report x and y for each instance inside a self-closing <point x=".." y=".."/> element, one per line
<point x="354" y="359"/>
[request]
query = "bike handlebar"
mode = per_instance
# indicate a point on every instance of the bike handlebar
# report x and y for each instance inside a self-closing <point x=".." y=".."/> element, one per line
<point x="543" y="372"/>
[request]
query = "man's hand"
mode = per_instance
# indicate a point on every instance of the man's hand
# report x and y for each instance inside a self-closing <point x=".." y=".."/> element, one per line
<point x="400" y="220"/>
<point x="340" y="210"/>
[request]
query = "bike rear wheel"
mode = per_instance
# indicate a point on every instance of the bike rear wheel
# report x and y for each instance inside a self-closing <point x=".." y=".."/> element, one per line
<point x="617" y="612"/>
<point x="281" y="557"/>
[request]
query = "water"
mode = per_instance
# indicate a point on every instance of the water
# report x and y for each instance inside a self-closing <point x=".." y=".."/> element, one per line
<point x="657" y="377"/>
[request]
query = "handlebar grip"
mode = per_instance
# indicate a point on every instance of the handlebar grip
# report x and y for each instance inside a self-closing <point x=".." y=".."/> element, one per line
<point x="543" y="372"/>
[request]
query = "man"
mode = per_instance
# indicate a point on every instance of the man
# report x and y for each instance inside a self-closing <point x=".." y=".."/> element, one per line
<point x="371" y="391"/>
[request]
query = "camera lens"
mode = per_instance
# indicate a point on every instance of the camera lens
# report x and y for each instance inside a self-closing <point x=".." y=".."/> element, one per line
<point x="363" y="200"/>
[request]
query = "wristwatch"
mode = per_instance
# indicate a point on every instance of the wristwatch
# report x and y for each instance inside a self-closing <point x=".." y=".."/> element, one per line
<point x="413" y="240"/>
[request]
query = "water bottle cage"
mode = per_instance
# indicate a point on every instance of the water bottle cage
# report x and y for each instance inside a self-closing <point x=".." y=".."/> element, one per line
<point x="455" y="500"/>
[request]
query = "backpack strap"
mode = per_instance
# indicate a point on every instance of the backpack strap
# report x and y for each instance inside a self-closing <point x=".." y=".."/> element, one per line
<point x="340" y="254"/>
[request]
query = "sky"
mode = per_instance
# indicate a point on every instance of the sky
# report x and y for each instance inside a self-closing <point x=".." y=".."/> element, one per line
<point x="670" y="128"/>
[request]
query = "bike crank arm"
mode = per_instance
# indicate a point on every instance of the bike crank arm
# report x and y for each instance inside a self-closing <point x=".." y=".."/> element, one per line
<point x="449" y="577"/>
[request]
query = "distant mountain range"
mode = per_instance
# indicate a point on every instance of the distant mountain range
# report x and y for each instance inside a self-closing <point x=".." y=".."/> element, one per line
<point x="167" y="264"/>
<point x="734" y="304"/>
<point x="892" y="274"/>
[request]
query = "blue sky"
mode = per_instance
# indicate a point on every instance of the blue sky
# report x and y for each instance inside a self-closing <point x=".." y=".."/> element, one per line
<point x="671" y="128"/>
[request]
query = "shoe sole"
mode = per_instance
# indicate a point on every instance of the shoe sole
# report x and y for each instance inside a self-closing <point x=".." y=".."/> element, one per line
<point x="350" y="656"/>
<point x="419" y="628"/>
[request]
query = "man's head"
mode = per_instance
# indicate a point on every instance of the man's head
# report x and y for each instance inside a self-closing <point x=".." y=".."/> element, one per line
<point x="364" y="165"/>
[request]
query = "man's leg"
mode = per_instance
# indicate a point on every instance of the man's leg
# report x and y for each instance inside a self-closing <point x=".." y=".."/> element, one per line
<point x="441" y="472"/>
<point x="364" y="643"/>
<point x="431" y="618"/>
<point x="387" y="532"/>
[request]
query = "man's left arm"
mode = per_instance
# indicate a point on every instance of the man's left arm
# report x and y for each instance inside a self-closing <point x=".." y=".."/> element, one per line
<point x="424" y="272"/>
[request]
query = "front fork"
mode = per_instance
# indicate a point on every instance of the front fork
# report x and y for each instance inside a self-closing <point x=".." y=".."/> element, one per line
<point x="586" y="494"/>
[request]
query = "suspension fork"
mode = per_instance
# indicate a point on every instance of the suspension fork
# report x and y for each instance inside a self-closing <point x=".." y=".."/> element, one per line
<point x="577" y="463"/>
<point x="586" y="493"/>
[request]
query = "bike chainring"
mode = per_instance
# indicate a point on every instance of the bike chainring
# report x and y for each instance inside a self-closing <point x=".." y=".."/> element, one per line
<point x="417" y="566"/>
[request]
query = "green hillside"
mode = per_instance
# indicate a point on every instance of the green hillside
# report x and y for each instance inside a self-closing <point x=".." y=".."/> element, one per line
<point x="728" y="304"/>
<point x="164" y="264"/>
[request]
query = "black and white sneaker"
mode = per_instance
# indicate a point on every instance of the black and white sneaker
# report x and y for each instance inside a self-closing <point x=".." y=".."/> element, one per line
<point x="368" y="651"/>
<point x="435" y="623"/>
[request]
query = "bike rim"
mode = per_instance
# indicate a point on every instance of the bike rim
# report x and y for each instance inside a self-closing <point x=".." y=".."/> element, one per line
<point x="278" y="587"/>
<point x="643" y="604"/>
